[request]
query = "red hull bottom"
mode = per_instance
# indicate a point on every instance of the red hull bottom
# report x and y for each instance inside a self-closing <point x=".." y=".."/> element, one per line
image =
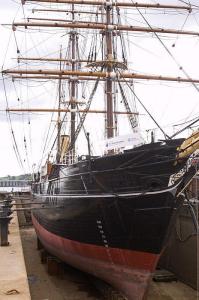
<point x="128" y="271"/>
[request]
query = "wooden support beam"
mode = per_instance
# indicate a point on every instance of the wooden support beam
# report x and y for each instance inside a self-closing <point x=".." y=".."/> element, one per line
<point x="113" y="75"/>
<point x="80" y="78"/>
<point x="59" y="20"/>
<point x="114" y="4"/>
<point x="70" y="61"/>
<point x="67" y="11"/>
<point x="46" y="110"/>
<point x="55" y="77"/>
<point x="101" y="26"/>
<point x="96" y="63"/>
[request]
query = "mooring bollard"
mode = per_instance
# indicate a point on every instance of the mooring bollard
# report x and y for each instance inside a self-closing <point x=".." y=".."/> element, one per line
<point x="5" y="212"/>
<point x="6" y="207"/>
<point x="4" y="221"/>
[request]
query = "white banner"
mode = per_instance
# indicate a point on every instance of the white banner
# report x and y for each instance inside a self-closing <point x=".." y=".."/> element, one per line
<point x="131" y="140"/>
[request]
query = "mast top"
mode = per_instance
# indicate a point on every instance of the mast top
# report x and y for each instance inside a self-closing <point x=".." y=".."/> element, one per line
<point x="108" y="67"/>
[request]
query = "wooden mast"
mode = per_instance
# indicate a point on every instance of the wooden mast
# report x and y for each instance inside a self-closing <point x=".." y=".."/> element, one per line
<point x="109" y="29"/>
<point x="73" y="84"/>
<point x="109" y="86"/>
<point x="59" y="113"/>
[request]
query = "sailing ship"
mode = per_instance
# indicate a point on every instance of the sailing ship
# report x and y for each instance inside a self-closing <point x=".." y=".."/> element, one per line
<point x="108" y="215"/>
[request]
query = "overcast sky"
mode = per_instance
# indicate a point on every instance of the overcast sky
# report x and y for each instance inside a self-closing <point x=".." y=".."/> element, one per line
<point x="169" y="103"/>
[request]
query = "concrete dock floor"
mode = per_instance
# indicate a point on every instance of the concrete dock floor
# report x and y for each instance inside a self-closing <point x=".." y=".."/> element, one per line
<point x="13" y="276"/>
<point x="76" y="286"/>
<point x="171" y="291"/>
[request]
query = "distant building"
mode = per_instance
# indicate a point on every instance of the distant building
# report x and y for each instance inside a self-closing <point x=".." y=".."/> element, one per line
<point x="15" y="185"/>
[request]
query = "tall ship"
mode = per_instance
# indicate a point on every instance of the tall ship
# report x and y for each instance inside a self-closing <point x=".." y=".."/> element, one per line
<point x="107" y="214"/>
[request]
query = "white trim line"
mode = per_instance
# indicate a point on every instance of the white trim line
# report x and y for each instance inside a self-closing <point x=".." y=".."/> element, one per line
<point x="122" y="195"/>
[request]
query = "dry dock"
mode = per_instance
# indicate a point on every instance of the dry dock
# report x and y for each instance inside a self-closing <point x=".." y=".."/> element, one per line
<point x="76" y="286"/>
<point x="30" y="280"/>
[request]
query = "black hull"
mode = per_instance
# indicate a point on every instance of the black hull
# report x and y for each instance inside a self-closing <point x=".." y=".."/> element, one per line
<point x="144" y="169"/>
<point x="117" y="240"/>
<point x="93" y="218"/>
<point x="137" y="223"/>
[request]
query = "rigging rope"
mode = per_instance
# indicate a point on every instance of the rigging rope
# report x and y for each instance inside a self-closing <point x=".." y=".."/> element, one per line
<point x="139" y="100"/>
<point x="15" y="146"/>
<point x="132" y="118"/>
<point x="83" y="117"/>
<point x="186" y="127"/>
<point x="167" y="50"/>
